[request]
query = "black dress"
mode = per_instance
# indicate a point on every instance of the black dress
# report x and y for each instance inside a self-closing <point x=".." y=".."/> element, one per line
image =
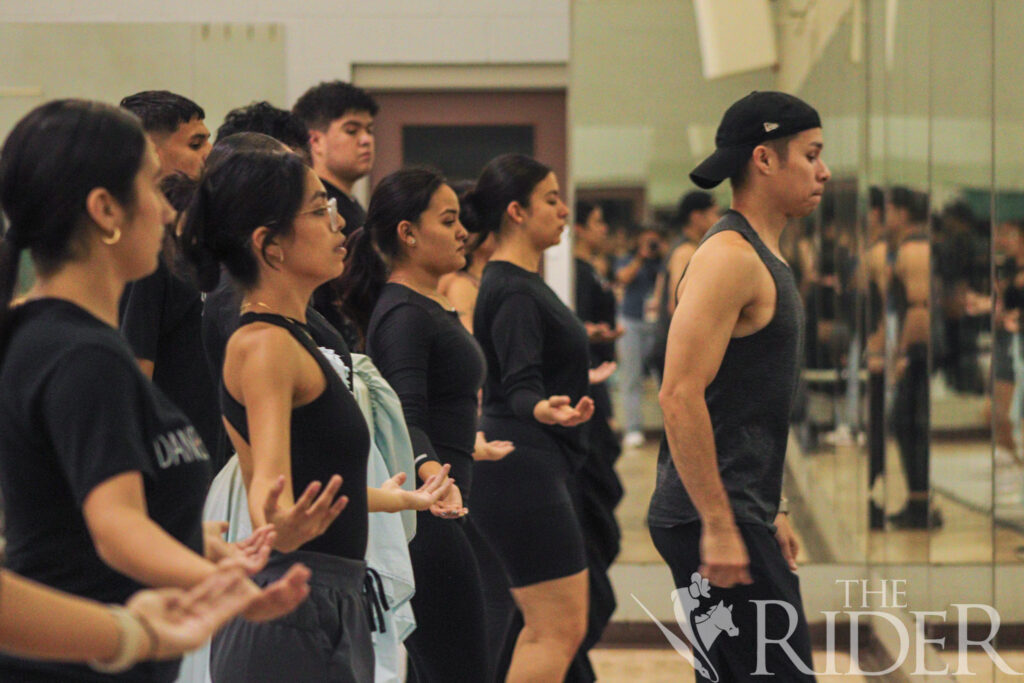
<point x="436" y="368"/>
<point x="535" y="348"/>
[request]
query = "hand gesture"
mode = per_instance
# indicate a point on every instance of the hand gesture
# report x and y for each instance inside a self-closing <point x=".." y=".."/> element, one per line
<point x="308" y="518"/>
<point x="434" y="489"/>
<point x="558" y="410"/>
<point x="250" y="554"/>
<point x="787" y="539"/>
<point x="183" y="620"/>
<point x="491" y="450"/>
<point x="602" y="372"/>
<point x="450" y="505"/>
<point x="724" y="559"/>
<point x="280" y="597"/>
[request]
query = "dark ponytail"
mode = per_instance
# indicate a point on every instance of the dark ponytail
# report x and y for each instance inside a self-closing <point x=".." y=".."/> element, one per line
<point x="246" y="190"/>
<point x="402" y="196"/>
<point x="505" y="179"/>
<point x="53" y="158"/>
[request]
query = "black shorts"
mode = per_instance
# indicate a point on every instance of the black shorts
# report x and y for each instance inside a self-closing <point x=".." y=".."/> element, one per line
<point x="734" y="657"/>
<point x="522" y="507"/>
<point x="1002" y="355"/>
<point x="326" y="638"/>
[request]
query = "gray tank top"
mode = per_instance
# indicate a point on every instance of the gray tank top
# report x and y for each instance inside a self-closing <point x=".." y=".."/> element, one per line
<point x="749" y="402"/>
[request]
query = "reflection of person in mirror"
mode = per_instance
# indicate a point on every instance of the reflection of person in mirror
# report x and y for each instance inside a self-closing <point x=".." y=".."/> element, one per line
<point x="910" y="287"/>
<point x="730" y="375"/>
<point x="1006" y="326"/>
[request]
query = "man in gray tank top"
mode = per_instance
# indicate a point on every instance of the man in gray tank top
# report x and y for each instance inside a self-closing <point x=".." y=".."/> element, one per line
<point x="730" y="374"/>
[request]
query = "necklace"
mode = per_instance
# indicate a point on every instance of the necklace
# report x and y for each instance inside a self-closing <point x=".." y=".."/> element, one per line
<point x="246" y="305"/>
<point x="429" y="293"/>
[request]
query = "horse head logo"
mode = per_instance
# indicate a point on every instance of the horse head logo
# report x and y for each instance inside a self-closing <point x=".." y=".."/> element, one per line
<point x="700" y="626"/>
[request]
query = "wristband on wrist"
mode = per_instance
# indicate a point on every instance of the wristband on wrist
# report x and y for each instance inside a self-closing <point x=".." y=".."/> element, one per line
<point x="130" y="634"/>
<point x="784" y="506"/>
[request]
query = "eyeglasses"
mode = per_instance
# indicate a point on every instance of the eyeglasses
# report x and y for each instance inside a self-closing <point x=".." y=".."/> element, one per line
<point x="332" y="213"/>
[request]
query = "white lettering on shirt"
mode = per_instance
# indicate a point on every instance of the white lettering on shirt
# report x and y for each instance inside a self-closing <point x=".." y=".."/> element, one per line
<point x="180" y="446"/>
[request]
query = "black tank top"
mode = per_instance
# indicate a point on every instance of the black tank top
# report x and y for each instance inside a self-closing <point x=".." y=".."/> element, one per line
<point x="749" y="403"/>
<point x="328" y="436"/>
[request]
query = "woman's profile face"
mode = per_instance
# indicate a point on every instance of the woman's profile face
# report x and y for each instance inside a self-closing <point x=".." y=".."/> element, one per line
<point x="314" y="250"/>
<point x="143" y="234"/>
<point x="440" y="238"/>
<point x="546" y="214"/>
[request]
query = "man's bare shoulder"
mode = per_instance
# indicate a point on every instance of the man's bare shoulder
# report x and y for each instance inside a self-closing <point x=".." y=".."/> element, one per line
<point x="725" y="249"/>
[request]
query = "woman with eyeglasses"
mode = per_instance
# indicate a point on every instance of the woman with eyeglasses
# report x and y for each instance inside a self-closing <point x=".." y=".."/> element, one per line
<point x="301" y="439"/>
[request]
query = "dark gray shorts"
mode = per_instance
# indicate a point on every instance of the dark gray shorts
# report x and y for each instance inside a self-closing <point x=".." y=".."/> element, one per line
<point x="327" y="638"/>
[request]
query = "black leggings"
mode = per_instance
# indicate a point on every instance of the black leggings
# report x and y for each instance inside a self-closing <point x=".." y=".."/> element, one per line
<point x="449" y="644"/>
<point x="910" y="418"/>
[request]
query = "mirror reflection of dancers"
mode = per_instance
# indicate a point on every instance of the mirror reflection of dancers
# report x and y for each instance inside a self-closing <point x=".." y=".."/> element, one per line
<point x="121" y="466"/>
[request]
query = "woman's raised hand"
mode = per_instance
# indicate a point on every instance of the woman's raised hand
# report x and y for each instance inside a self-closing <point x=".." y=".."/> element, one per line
<point x="308" y="518"/>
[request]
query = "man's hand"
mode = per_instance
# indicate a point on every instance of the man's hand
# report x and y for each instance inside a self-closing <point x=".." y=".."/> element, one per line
<point x="787" y="539"/>
<point x="724" y="559"/>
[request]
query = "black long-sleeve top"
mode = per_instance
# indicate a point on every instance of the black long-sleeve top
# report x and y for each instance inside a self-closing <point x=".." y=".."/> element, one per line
<point x="436" y="368"/>
<point x="534" y="345"/>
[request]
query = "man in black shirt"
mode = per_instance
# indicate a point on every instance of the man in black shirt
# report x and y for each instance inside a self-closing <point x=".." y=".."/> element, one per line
<point x="730" y="374"/>
<point x="175" y="125"/>
<point x="339" y="117"/>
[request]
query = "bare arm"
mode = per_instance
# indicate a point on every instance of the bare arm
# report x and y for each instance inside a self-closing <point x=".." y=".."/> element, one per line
<point x="147" y="367"/>
<point x="712" y="298"/>
<point x="676" y="265"/>
<point x="116" y="514"/>
<point x="264" y="366"/>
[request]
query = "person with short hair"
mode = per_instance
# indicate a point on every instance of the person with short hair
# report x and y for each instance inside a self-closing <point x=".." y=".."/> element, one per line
<point x="339" y="117"/>
<point x="638" y="273"/>
<point x="731" y="372"/>
<point x="175" y="125"/>
<point x="263" y="117"/>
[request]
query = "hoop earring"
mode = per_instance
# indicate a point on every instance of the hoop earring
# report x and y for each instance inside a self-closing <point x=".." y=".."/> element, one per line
<point x="113" y="238"/>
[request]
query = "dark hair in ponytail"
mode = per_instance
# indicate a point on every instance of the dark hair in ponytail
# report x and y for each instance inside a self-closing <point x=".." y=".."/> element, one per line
<point x="402" y="196"/>
<point x="505" y="179"/>
<point x="53" y="158"/>
<point x="248" y="189"/>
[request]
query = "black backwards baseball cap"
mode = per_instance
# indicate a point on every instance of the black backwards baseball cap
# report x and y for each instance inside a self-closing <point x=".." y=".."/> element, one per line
<point x="757" y="118"/>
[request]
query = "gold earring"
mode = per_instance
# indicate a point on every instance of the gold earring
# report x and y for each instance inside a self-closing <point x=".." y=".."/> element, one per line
<point x="412" y="241"/>
<point x="113" y="238"/>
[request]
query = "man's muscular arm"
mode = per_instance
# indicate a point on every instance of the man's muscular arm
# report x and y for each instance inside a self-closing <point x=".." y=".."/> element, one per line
<point x="720" y="282"/>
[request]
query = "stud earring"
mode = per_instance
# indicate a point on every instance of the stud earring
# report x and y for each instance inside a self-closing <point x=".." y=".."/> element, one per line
<point x="412" y="241"/>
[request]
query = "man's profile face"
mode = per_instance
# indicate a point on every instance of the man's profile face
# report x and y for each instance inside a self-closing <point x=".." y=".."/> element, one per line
<point x="801" y="179"/>
<point x="185" y="150"/>
<point x="346" y="148"/>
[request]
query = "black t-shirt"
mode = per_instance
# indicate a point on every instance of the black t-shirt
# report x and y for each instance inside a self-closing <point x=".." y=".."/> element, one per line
<point x="436" y="367"/>
<point x="162" y="319"/>
<point x="595" y="303"/>
<point x="534" y="345"/>
<point x="75" y="410"/>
